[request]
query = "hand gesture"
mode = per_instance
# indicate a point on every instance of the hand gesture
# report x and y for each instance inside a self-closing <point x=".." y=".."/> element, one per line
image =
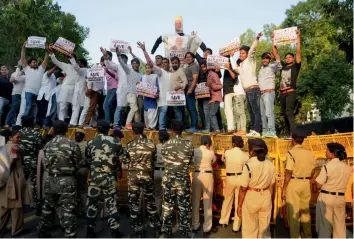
<point x="130" y="49"/>
<point x="272" y="35"/>
<point x="117" y="51"/>
<point x="104" y="51"/>
<point x="259" y="35"/>
<point x="194" y="33"/>
<point x="24" y="44"/>
<point x="227" y="66"/>
<point x="141" y="45"/>
<point x="217" y="69"/>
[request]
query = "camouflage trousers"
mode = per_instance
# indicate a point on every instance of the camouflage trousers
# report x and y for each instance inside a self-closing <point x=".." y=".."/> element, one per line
<point x="30" y="171"/>
<point x="59" y="192"/>
<point x="102" y="184"/>
<point x="138" y="183"/>
<point x="179" y="187"/>
<point x="81" y="178"/>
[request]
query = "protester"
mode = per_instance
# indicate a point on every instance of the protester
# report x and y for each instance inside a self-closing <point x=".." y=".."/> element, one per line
<point x="5" y="89"/>
<point x="179" y="83"/>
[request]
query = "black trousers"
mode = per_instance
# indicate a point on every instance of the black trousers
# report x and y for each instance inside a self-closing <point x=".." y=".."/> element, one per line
<point x="287" y="104"/>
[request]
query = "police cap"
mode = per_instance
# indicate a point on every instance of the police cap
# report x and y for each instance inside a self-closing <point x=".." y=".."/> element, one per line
<point x="60" y="127"/>
<point x="257" y="143"/>
<point x="138" y="127"/>
<point x="163" y="135"/>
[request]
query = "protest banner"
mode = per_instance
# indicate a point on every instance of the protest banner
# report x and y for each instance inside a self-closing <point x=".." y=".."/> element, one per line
<point x="146" y="89"/>
<point x="285" y="36"/>
<point x="177" y="46"/>
<point x="202" y="91"/>
<point x="233" y="45"/>
<point x="122" y="45"/>
<point x="95" y="74"/>
<point x="214" y="61"/>
<point x="64" y="46"/>
<point x="36" y="42"/>
<point x="176" y="98"/>
<point x="178" y="24"/>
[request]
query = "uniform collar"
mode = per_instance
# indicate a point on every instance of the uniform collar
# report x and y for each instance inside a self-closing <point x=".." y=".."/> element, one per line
<point x="298" y="146"/>
<point x="334" y="161"/>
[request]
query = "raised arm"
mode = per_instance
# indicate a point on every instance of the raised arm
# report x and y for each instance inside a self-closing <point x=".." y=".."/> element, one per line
<point x="298" y="48"/>
<point x="156" y="45"/>
<point x="122" y="63"/>
<point x="51" y="71"/>
<point x="252" y="51"/>
<point x="156" y="69"/>
<point x="229" y="69"/>
<point x="23" y="55"/>
<point x="131" y="52"/>
<point x="275" y="49"/>
<point x="45" y="61"/>
<point x="233" y="64"/>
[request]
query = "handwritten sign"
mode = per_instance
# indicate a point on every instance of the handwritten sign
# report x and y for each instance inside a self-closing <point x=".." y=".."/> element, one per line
<point x="233" y="45"/>
<point x="202" y="91"/>
<point x="95" y="74"/>
<point x="64" y="46"/>
<point x="122" y="45"/>
<point x="176" y="98"/>
<point x="213" y="61"/>
<point x="146" y="89"/>
<point x="285" y="36"/>
<point x="36" y="42"/>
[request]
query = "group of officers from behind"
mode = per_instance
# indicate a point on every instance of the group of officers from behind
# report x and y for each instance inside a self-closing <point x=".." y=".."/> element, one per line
<point x="249" y="179"/>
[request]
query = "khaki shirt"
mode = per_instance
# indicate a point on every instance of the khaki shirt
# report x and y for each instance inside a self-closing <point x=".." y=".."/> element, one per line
<point x="301" y="161"/>
<point x="234" y="160"/>
<point x="262" y="174"/>
<point x="203" y="158"/>
<point x="336" y="178"/>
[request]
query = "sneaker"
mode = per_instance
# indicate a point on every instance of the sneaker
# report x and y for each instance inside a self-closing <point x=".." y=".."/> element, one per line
<point x="71" y="126"/>
<point x="128" y="126"/>
<point x="240" y="133"/>
<point x="253" y="133"/>
<point x="205" y="131"/>
<point x="86" y="126"/>
<point x="272" y="134"/>
<point x="80" y="126"/>
<point x="191" y="130"/>
<point x="265" y="134"/>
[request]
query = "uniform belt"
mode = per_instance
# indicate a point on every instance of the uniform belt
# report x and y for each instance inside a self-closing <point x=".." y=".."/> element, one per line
<point x="293" y="177"/>
<point x="203" y="171"/>
<point x="332" y="193"/>
<point x="233" y="174"/>
<point x="251" y="87"/>
<point x="159" y="168"/>
<point x="61" y="174"/>
<point x="286" y="91"/>
<point x="257" y="189"/>
<point x="267" y="91"/>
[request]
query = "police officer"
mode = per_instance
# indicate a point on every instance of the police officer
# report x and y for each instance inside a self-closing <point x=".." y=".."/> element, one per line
<point x="62" y="159"/>
<point x="255" y="196"/>
<point x="141" y="154"/>
<point x="332" y="180"/>
<point x="30" y="144"/>
<point x="299" y="169"/>
<point x="234" y="160"/>
<point x="203" y="184"/>
<point x="102" y="155"/>
<point x="159" y="169"/>
<point x="177" y="154"/>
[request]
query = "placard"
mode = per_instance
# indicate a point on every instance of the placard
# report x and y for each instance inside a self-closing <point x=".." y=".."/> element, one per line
<point x="122" y="45"/>
<point x="233" y="45"/>
<point x="64" y="46"/>
<point x="214" y="61"/>
<point x="177" y="46"/>
<point x="285" y="36"/>
<point x="175" y="98"/>
<point x="202" y="91"/>
<point x="36" y="42"/>
<point x="146" y="89"/>
<point x="95" y="74"/>
<point x="178" y="24"/>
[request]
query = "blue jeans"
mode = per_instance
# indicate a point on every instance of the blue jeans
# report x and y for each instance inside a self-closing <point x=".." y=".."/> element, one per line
<point x="163" y="117"/>
<point x="15" y="108"/>
<point x="267" y="112"/>
<point x="110" y="97"/>
<point x="192" y="109"/>
<point x="52" y="114"/>
<point x="253" y="100"/>
<point x="118" y="117"/>
<point x="179" y="112"/>
<point x="211" y="120"/>
<point x="30" y="97"/>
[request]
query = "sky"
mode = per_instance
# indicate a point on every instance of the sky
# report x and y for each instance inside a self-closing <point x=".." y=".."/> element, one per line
<point x="217" y="22"/>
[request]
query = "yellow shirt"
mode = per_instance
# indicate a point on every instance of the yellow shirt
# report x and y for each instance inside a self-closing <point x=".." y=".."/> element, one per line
<point x="301" y="161"/>
<point x="234" y="160"/>
<point x="203" y="158"/>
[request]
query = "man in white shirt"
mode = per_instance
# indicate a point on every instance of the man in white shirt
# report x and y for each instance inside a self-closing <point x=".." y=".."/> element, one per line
<point x="33" y="78"/>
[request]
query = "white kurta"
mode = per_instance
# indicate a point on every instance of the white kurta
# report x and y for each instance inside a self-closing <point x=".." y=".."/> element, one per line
<point x="122" y="88"/>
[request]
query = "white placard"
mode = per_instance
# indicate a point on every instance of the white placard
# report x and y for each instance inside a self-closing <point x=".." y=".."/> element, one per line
<point x="122" y="45"/>
<point x="285" y="36"/>
<point x="146" y="89"/>
<point x="176" y="98"/>
<point x="95" y="74"/>
<point x="213" y="61"/>
<point x="36" y="42"/>
<point x="64" y="46"/>
<point x="233" y="45"/>
<point x="202" y="91"/>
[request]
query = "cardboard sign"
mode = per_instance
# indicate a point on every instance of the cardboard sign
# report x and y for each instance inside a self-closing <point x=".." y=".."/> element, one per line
<point x="146" y="89"/>
<point x="178" y="24"/>
<point x="64" y="46"/>
<point x="95" y="74"/>
<point x="122" y="45"/>
<point x="176" y="98"/>
<point x="202" y="91"/>
<point x="36" y="42"/>
<point x="213" y="61"/>
<point x="233" y="45"/>
<point x="285" y="36"/>
<point x="177" y="46"/>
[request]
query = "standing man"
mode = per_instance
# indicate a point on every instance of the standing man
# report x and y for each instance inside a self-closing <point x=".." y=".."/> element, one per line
<point x="299" y="170"/>
<point x="177" y="154"/>
<point x="141" y="154"/>
<point x="288" y="77"/>
<point x="179" y="83"/>
<point x="5" y="89"/>
<point x="103" y="154"/>
<point x="62" y="157"/>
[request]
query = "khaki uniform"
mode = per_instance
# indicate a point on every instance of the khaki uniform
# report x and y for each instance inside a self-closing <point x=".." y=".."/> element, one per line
<point x="298" y="192"/>
<point x="203" y="185"/>
<point x="330" y="209"/>
<point x="257" y="206"/>
<point x="234" y="160"/>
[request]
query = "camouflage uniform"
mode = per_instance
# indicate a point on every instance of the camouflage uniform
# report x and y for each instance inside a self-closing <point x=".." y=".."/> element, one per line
<point x="141" y="154"/>
<point x="81" y="177"/>
<point x="30" y="144"/>
<point x="102" y="154"/>
<point x="62" y="159"/>
<point x="177" y="154"/>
